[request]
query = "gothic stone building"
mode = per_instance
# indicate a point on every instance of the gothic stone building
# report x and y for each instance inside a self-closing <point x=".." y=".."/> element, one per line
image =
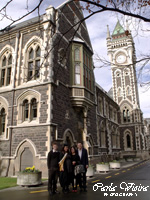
<point x="47" y="89"/>
<point x="48" y="93"/>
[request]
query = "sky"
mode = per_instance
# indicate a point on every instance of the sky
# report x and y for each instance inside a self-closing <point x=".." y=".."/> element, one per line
<point x="97" y="28"/>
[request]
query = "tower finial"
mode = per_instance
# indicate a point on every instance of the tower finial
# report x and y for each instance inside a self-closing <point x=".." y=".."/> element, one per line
<point x="127" y="25"/>
<point x="108" y="32"/>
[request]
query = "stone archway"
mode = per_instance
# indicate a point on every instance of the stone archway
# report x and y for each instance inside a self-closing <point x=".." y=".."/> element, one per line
<point x="25" y="155"/>
<point x="26" y="159"/>
<point x="68" y="138"/>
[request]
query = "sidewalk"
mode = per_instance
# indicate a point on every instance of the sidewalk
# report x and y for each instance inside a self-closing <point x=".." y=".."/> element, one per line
<point x="45" y="183"/>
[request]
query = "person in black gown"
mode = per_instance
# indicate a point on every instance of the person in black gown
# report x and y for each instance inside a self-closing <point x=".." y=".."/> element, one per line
<point x="75" y="159"/>
<point x="66" y="171"/>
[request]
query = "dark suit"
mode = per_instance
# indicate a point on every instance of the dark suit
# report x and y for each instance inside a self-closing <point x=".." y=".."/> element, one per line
<point x="53" y="169"/>
<point x="84" y="161"/>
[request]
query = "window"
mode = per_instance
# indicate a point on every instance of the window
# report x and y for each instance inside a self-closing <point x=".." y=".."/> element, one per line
<point x="5" y="69"/>
<point x="2" y="121"/>
<point x="114" y="139"/>
<point x="117" y="73"/>
<point x="33" y="109"/>
<point x="126" y="115"/>
<point x="126" y="72"/>
<point x="28" y="106"/>
<point x="77" y="74"/>
<point x="119" y="92"/>
<point x="77" y="54"/>
<point x="100" y="105"/>
<point x="26" y="109"/>
<point x="29" y="110"/>
<point x="82" y="73"/>
<point x="34" y="63"/>
<point x="128" y="141"/>
<point x="128" y="91"/>
<point x="110" y="113"/>
<point x="87" y="63"/>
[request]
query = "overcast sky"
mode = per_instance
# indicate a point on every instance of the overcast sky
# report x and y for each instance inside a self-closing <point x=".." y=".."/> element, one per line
<point x="97" y="27"/>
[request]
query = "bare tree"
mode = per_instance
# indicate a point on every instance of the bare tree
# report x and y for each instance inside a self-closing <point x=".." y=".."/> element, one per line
<point x="139" y="10"/>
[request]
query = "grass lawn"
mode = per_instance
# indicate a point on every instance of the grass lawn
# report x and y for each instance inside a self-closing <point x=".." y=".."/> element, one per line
<point x="6" y="182"/>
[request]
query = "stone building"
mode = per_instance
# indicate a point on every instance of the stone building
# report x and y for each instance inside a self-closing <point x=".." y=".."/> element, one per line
<point x="47" y="89"/>
<point x="48" y="93"/>
<point x="121" y="52"/>
<point x="108" y="114"/>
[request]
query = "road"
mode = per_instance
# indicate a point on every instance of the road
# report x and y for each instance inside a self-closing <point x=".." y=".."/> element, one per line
<point x="132" y="182"/>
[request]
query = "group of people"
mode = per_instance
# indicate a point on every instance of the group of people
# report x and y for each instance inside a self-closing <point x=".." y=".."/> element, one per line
<point x="62" y="164"/>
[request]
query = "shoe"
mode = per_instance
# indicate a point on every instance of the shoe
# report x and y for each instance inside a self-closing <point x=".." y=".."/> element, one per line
<point x="75" y="190"/>
<point x="50" y="193"/>
<point x="56" y="192"/>
<point x="66" y="191"/>
<point x="85" y="190"/>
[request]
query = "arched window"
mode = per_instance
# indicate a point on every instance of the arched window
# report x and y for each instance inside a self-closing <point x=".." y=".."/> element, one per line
<point x="33" y="109"/>
<point x="126" y="115"/>
<point x="2" y="121"/>
<point x="119" y="92"/>
<point x="128" y="91"/>
<point x="117" y="73"/>
<point x="34" y="56"/>
<point x="77" y="54"/>
<point x="26" y="109"/>
<point x="128" y="139"/>
<point x="5" y="70"/>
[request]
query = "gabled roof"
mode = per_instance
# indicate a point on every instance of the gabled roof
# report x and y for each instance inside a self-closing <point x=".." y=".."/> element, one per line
<point x="23" y="24"/>
<point x="118" y="29"/>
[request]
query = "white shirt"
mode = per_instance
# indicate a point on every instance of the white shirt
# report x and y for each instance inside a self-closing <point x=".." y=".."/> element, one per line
<point x="54" y="150"/>
<point x="80" y="153"/>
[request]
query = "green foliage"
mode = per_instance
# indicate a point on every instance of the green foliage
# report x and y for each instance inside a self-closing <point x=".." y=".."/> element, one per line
<point x="90" y="165"/>
<point x="103" y="163"/>
<point x="115" y="161"/>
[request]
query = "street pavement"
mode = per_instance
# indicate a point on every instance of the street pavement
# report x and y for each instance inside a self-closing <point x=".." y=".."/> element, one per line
<point x="131" y="181"/>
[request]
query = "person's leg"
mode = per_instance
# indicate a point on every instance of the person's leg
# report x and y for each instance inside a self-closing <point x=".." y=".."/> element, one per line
<point x="72" y="180"/>
<point x="50" y="180"/>
<point x="84" y="181"/>
<point x="75" y="183"/>
<point x="80" y="181"/>
<point x="55" y="181"/>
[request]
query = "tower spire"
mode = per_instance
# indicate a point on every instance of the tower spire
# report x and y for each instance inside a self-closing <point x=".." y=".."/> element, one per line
<point x="108" y="32"/>
<point x="127" y="26"/>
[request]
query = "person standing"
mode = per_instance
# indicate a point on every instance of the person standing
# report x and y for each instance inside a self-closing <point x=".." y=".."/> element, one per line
<point x="82" y="152"/>
<point x="75" y="160"/>
<point x="53" y="169"/>
<point x="65" y="168"/>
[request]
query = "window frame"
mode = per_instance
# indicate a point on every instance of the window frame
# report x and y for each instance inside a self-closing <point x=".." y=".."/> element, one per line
<point x="34" y="76"/>
<point x="7" y="69"/>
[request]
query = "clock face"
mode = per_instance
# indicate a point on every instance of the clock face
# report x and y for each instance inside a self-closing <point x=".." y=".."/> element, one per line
<point x="121" y="58"/>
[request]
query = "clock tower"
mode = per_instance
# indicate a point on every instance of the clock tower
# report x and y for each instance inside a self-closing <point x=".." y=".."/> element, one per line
<point x="121" y="52"/>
